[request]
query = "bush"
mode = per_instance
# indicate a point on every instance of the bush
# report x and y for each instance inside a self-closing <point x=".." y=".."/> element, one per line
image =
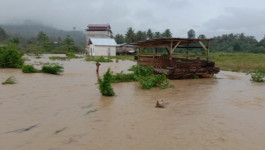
<point x="105" y="84"/>
<point x="122" y="77"/>
<point x="147" y="82"/>
<point x="141" y="71"/>
<point x="10" y="58"/>
<point x="29" y="69"/>
<point x="258" y="75"/>
<point x="52" y="69"/>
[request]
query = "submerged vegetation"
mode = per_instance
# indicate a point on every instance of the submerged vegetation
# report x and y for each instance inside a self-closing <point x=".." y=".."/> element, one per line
<point x="98" y="59"/>
<point x="9" y="80"/>
<point x="105" y="84"/>
<point x="29" y="69"/>
<point x="144" y="75"/>
<point x="69" y="55"/>
<point x="54" y="69"/>
<point x="258" y="75"/>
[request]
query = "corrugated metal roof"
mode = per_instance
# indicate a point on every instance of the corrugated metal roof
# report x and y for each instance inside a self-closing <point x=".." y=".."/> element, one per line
<point x="103" y="41"/>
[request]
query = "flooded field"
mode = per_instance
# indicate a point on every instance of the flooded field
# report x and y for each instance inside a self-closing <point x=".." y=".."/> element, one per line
<point x="67" y="112"/>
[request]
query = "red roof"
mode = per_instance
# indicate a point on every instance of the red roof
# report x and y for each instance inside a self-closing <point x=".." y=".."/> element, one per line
<point x="98" y="27"/>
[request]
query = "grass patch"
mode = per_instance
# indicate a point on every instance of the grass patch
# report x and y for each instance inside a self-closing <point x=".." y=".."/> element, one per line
<point x="56" y="69"/>
<point x="9" y="80"/>
<point x="68" y="56"/>
<point x="239" y="62"/>
<point x="98" y="59"/>
<point x="29" y="69"/>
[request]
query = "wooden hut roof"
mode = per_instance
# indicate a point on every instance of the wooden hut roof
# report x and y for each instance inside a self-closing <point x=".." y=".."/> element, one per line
<point x="167" y="42"/>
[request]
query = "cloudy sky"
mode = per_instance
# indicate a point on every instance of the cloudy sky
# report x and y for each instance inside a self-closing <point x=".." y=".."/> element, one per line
<point x="209" y="17"/>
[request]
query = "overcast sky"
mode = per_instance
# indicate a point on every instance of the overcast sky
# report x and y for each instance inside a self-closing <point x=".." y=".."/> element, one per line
<point x="209" y="17"/>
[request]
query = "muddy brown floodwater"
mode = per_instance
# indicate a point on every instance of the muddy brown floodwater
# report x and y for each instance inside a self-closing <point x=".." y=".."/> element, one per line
<point x="67" y="112"/>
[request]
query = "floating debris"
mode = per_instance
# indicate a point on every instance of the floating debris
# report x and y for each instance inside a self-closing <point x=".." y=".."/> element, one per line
<point x="61" y="130"/>
<point x="23" y="129"/>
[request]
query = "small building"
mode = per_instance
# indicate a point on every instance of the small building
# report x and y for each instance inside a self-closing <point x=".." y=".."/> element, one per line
<point x="99" y="41"/>
<point x="125" y="49"/>
<point x="177" y="64"/>
<point x="101" y="47"/>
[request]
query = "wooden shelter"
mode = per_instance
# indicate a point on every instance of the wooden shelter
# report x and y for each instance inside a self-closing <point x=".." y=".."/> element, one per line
<point x="182" y="65"/>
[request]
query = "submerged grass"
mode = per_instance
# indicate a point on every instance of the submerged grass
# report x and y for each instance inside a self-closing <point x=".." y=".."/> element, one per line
<point x="56" y="69"/>
<point x="29" y="69"/>
<point x="61" y="130"/>
<point x="9" y="80"/>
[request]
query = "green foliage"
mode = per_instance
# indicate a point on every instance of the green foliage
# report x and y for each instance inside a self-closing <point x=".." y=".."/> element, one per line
<point x="10" y="58"/>
<point x="119" y="38"/>
<point x="54" y="69"/>
<point x="130" y="35"/>
<point x="105" y="84"/>
<point x="258" y="75"/>
<point x="10" y="80"/>
<point x="191" y="34"/>
<point x="29" y="69"/>
<point x="147" y="82"/>
<point x="98" y="59"/>
<point x="141" y="71"/>
<point x="142" y="74"/>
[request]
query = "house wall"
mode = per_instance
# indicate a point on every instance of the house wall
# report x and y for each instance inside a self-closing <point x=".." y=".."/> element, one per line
<point x="97" y="50"/>
<point x="98" y="34"/>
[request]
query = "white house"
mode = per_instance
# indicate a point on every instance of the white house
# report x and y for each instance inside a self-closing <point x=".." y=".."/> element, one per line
<point x="99" y="41"/>
<point x="101" y="47"/>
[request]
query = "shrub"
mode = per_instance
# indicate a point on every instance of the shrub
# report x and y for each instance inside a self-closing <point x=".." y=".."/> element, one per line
<point x="56" y="69"/>
<point x="122" y="77"/>
<point x="105" y="84"/>
<point x="29" y="69"/>
<point x="141" y="71"/>
<point x="10" y="58"/>
<point x="147" y="82"/>
<point x="10" y="80"/>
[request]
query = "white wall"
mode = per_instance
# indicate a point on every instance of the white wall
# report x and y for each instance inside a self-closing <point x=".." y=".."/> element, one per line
<point x="97" y="50"/>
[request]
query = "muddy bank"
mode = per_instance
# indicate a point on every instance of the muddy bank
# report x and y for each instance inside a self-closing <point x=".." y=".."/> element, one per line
<point x="222" y="113"/>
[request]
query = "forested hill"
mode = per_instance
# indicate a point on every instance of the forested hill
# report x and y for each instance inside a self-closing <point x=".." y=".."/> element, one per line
<point x="28" y="31"/>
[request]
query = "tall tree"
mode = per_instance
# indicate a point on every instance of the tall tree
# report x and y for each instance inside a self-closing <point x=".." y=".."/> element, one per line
<point x="42" y="37"/>
<point x="191" y="34"/>
<point x="119" y="38"/>
<point x="69" y="41"/>
<point x="167" y="33"/>
<point x="140" y="36"/>
<point x="130" y="35"/>
<point x="149" y="34"/>
<point x="3" y="35"/>
<point x="202" y="36"/>
<point x="157" y="35"/>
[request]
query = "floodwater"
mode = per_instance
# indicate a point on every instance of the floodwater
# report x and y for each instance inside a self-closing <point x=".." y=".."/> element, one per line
<point x="67" y="112"/>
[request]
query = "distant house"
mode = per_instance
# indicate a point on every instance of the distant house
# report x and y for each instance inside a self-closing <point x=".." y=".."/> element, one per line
<point x="101" y="47"/>
<point x="125" y="49"/>
<point x="99" y="41"/>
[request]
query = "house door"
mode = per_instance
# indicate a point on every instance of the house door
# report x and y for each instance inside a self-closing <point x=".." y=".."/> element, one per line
<point x="108" y="51"/>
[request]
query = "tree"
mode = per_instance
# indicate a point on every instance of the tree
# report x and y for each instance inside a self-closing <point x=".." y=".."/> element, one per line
<point x="167" y="33"/>
<point x="130" y="35"/>
<point x="157" y="35"/>
<point x="15" y="40"/>
<point x="149" y="34"/>
<point x="3" y="35"/>
<point x="140" y="36"/>
<point x="42" y="37"/>
<point x="191" y="34"/>
<point x="69" y="41"/>
<point x="119" y="38"/>
<point x="202" y="36"/>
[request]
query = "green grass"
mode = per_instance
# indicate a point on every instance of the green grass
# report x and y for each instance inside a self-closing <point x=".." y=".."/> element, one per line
<point x="239" y="62"/>
<point x="98" y="59"/>
<point x="10" y="80"/>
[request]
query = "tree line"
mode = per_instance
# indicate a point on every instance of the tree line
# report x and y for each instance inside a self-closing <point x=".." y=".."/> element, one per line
<point x="133" y="36"/>
<point x="41" y="43"/>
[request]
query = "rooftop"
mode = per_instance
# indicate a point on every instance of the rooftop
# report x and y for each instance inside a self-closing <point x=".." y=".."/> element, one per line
<point x="103" y="41"/>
